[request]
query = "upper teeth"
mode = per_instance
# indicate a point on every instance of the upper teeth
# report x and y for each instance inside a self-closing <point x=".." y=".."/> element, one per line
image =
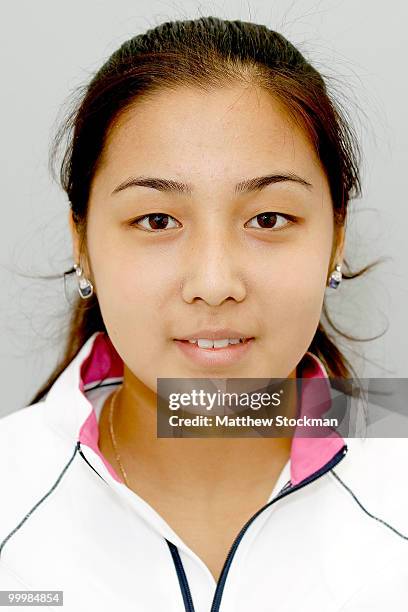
<point x="206" y="343"/>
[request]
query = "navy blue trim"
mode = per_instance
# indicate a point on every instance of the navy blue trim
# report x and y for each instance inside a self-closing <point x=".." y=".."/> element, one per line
<point x="99" y="384"/>
<point x="366" y="511"/>
<point x="184" y="586"/>
<point x="78" y="444"/>
<point x="40" y="501"/>
<point x="77" y="449"/>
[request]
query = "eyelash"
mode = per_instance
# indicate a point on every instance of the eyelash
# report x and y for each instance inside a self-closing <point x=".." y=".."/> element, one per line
<point x="290" y="218"/>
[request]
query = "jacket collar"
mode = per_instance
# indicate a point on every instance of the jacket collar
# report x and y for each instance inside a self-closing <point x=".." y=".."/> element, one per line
<point x="69" y="412"/>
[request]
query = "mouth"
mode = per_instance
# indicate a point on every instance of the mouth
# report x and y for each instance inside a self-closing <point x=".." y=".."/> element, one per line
<point x="221" y="352"/>
<point x="216" y="344"/>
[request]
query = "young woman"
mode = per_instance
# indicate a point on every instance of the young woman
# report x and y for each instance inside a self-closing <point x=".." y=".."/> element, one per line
<point x="208" y="173"/>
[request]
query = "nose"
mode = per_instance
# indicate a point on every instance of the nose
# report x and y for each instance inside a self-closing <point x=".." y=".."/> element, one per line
<point x="213" y="271"/>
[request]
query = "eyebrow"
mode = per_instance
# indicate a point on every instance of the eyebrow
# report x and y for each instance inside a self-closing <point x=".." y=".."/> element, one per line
<point x="245" y="186"/>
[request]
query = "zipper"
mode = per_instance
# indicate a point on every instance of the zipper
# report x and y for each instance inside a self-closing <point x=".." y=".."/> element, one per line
<point x="184" y="587"/>
<point x="286" y="490"/>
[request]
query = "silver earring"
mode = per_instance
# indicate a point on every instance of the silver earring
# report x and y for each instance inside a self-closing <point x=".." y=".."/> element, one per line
<point x="85" y="287"/>
<point x="335" y="277"/>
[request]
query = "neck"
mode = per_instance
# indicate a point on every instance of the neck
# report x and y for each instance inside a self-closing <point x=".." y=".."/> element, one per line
<point x="210" y="464"/>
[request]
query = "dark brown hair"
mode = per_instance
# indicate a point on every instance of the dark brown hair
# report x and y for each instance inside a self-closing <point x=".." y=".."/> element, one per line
<point x="205" y="53"/>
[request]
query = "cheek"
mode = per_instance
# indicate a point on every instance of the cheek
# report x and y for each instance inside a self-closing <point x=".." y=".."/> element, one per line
<point x="132" y="295"/>
<point x="293" y="300"/>
<point x="132" y="304"/>
<point x="128" y="276"/>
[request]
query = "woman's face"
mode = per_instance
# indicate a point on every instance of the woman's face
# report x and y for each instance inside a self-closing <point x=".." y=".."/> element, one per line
<point x="166" y="264"/>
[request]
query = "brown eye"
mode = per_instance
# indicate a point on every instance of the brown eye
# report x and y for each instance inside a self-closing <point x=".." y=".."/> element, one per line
<point x="269" y="220"/>
<point x="154" y="221"/>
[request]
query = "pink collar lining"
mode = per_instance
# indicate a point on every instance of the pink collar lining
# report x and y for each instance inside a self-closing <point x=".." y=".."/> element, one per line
<point x="307" y="454"/>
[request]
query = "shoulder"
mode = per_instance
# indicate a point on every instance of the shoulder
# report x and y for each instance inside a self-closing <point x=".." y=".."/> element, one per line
<point x="373" y="474"/>
<point x="374" y="458"/>
<point x="21" y="417"/>
<point x="31" y="454"/>
<point x="28" y="442"/>
<point x="21" y="430"/>
<point x="23" y="435"/>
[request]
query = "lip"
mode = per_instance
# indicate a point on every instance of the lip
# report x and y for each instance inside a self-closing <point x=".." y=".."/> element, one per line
<point x="215" y="334"/>
<point x="225" y="356"/>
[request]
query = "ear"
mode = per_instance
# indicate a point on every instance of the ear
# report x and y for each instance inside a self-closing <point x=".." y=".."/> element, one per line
<point x="74" y="235"/>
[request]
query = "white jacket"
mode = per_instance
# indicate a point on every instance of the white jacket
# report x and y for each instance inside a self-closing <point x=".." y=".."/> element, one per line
<point x="332" y="537"/>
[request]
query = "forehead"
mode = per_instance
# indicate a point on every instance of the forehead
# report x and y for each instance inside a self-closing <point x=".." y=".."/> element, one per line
<point x="219" y="132"/>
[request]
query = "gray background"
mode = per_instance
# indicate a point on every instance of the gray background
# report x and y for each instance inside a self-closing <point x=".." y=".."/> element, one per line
<point x="48" y="48"/>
